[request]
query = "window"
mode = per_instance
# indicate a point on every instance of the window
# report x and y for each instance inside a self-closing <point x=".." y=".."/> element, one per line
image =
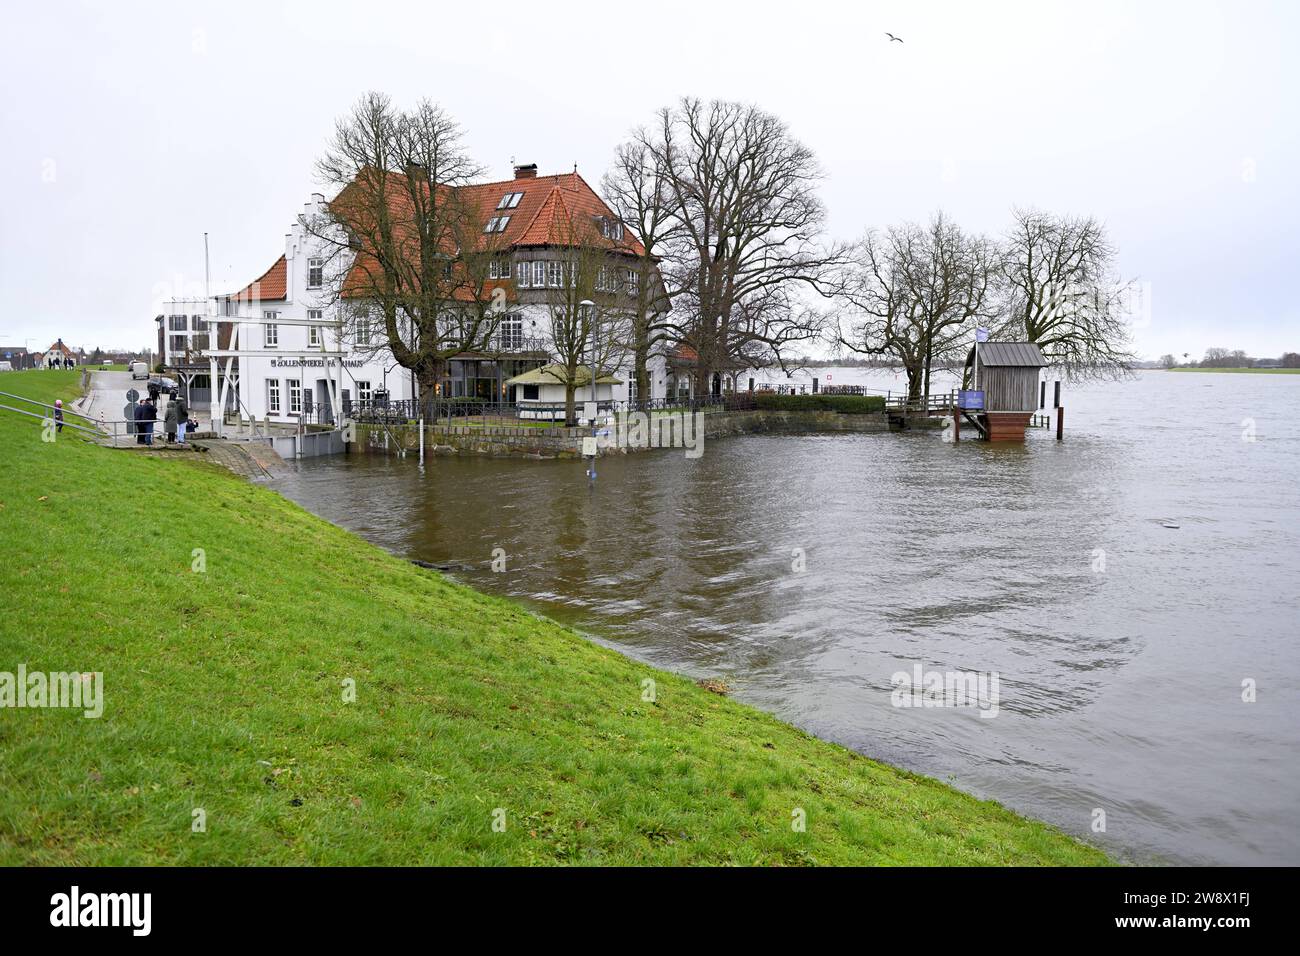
<point x="315" y="273"/>
<point x="363" y="391"/>
<point x="270" y="332"/>
<point x="530" y="393"/>
<point x="499" y="268"/>
<point x="522" y="271"/>
<point x="633" y="281"/>
<point x="512" y="333"/>
<point x="176" y="323"/>
<point x="198" y="323"/>
<point x="273" y="396"/>
<point x="363" y="330"/>
<point x="602" y="279"/>
<point x="176" y="343"/>
<point x="610" y="228"/>
<point x="295" y="395"/>
<point x="497" y="224"/>
<point x="313" y="331"/>
<point x="510" y="201"/>
<point x="554" y="274"/>
<point x="539" y="275"/>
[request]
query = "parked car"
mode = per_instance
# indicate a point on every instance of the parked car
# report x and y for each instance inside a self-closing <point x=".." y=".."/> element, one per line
<point x="166" y="386"/>
<point x="139" y="370"/>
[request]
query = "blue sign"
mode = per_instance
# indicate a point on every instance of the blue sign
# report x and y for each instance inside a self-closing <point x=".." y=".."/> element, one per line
<point x="970" y="399"/>
<point x="981" y="335"/>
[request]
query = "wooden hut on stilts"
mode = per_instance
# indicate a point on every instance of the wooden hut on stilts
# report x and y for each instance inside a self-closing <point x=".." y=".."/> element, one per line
<point x="1005" y="393"/>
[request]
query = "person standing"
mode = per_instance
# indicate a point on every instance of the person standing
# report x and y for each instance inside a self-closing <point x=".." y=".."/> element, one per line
<point x="182" y="416"/>
<point x="150" y="413"/>
<point x="169" y="421"/>
<point x="58" y="414"/>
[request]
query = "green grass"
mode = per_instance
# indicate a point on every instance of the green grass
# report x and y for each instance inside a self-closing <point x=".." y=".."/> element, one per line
<point x="223" y="691"/>
<point x="1253" y="371"/>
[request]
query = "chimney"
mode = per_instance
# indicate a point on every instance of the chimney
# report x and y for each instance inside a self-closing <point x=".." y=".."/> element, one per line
<point x="526" y="172"/>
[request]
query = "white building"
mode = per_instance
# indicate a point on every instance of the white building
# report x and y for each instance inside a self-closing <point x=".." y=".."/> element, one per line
<point x="293" y="356"/>
<point x="57" y="355"/>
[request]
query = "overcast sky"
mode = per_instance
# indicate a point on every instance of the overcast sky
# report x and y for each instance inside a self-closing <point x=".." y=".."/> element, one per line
<point x="131" y="129"/>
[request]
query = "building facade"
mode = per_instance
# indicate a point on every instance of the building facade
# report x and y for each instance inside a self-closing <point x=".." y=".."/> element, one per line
<point x="289" y="346"/>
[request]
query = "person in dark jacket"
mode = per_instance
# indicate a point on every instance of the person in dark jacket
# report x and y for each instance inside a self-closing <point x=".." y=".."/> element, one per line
<point x="137" y="413"/>
<point x="169" y="421"/>
<point x="182" y="416"/>
<point x="149" y="412"/>
<point x="58" y="414"/>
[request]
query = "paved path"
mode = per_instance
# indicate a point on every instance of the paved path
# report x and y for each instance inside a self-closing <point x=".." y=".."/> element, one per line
<point x="105" y="401"/>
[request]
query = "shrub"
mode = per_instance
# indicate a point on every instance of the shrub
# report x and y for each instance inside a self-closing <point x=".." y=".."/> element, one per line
<point x="844" y="404"/>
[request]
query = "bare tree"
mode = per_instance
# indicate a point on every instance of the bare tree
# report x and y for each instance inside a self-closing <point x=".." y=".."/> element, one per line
<point x="747" y="223"/>
<point x="638" y="192"/>
<point x="1168" y="361"/>
<point x="1064" y="294"/>
<point x="410" y="254"/>
<point x="582" y="270"/>
<point x="920" y="293"/>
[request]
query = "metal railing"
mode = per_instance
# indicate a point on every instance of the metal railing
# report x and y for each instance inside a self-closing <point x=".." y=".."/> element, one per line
<point x="466" y="410"/>
<point x="99" y="430"/>
<point x="924" y="404"/>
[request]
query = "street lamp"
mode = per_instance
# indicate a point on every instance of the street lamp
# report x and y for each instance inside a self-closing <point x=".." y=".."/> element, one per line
<point x="589" y="310"/>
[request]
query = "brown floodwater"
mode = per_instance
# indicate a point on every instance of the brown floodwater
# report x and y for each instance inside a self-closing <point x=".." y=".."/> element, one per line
<point x="1123" y="585"/>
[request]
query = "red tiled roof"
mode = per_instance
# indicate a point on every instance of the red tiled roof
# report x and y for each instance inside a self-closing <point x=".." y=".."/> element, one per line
<point x="554" y="210"/>
<point x="549" y="211"/>
<point x="273" y="285"/>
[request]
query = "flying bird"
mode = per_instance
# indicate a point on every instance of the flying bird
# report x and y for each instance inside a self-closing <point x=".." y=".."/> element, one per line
<point x="893" y="38"/>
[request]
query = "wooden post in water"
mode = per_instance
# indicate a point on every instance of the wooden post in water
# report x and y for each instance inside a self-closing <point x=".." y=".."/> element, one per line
<point x="1060" y="422"/>
<point x="956" y="423"/>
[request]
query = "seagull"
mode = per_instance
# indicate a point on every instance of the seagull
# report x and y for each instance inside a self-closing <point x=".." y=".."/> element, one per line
<point x="893" y="39"/>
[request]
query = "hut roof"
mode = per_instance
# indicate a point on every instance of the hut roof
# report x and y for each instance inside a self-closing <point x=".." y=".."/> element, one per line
<point x="1011" y="353"/>
<point x="558" y="375"/>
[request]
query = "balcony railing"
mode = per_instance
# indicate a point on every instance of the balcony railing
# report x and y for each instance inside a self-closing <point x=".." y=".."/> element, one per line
<point x="513" y="342"/>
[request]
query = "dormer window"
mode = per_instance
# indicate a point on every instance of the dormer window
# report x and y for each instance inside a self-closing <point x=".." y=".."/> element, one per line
<point x="497" y="224"/>
<point x="510" y="200"/>
<point x="610" y="228"/>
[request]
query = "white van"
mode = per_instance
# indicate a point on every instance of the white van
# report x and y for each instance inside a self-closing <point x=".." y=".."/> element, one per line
<point x="6" y="367"/>
<point x="139" y="370"/>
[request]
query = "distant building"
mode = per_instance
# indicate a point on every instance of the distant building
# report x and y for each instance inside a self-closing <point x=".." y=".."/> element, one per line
<point x="58" y="355"/>
<point x="1268" y="363"/>
<point x="18" y="358"/>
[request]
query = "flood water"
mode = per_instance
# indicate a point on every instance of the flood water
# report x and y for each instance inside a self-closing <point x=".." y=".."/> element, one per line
<point x="1121" y="643"/>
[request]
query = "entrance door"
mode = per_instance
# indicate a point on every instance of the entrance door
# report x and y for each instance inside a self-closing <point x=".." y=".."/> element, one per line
<point x="323" y="400"/>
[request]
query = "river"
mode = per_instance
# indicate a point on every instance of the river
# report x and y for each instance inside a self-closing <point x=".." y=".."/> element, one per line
<point x="1123" y="584"/>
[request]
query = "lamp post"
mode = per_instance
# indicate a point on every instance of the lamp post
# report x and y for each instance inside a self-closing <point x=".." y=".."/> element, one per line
<point x="589" y="310"/>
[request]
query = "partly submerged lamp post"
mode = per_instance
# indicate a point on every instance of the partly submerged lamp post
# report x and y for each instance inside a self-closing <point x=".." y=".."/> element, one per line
<point x="588" y="311"/>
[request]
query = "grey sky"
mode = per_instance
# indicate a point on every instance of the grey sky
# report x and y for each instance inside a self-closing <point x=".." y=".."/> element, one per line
<point x="131" y="129"/>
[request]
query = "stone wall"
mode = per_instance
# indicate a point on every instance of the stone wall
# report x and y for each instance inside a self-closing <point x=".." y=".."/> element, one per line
<point x="501" y="441"/>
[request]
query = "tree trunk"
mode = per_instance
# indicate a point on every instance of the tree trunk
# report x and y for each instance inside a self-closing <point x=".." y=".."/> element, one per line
<point x="570" y="405"/>
<point x="641" y="373"/>
<point x="915" y="375"/>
